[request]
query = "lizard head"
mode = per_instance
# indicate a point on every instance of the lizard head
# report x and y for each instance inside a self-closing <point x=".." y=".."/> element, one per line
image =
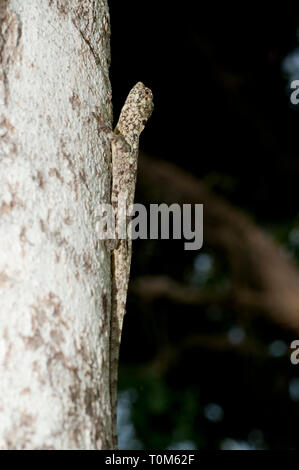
<point x="135" y="112"/>
<point x="143" y="99"/>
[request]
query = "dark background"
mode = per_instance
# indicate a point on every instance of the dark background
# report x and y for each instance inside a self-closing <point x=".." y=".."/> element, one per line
<point x="221" y="85"/>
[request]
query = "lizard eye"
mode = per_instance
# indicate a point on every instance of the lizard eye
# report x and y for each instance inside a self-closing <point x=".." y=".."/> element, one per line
<point x="146" y="92"/>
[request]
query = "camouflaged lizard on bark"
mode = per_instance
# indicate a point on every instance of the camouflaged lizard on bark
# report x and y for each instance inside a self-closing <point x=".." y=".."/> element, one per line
<point x="124" y="146"/>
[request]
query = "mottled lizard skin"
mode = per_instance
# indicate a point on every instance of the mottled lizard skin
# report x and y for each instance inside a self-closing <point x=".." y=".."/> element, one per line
<point x="124" y="145"/>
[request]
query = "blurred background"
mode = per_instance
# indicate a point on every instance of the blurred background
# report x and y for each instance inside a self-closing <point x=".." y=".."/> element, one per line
<point x="205" y="354"/>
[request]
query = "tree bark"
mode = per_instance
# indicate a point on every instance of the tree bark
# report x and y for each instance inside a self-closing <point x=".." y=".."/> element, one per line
<point x="54" y="273"/>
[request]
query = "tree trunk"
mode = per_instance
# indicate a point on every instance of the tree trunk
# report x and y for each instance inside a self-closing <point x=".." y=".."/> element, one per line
<point x="54" y="273"/>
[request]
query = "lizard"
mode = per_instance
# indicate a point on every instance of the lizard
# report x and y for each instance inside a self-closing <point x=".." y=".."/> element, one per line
<point x="136" y="111"/>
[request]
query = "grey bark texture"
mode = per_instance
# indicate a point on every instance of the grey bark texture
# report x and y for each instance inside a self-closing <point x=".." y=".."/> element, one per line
<point x="54" y="273"/>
